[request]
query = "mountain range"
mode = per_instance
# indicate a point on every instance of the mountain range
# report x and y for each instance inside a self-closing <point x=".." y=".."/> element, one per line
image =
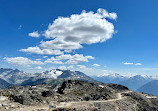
<point x="137" y="83"/>
<point x="16" y="77"/>
<point x="110" y="78"/>
<point x="150" y="88"/>
<point x="4" y="84"/>
<point x="132" y="82"/>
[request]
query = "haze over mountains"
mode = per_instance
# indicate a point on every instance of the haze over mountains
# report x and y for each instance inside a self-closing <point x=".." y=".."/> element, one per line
<point x="150" y="88"/>
<point x="132" y="82"/>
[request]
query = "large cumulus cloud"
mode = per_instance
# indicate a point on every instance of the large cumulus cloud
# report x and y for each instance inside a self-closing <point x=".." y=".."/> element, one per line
<point x="70" y="33"/>
<point x="85" y="28"/>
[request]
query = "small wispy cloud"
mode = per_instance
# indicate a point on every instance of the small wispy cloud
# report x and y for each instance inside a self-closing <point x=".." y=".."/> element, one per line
<point x="70" y="67"/>
<point x="138" y="64"/>
<point x="81" y="66"/>
<point x="34" y="34"/>
<point x="45" y="56"/>
<point x="96" y="65"/>
<point x="39" y="67"/>
<point x="62" y="67"/>
<point x="131" y="63"/>
<point x="128" y="63"/>
<point x="20" y="27"/>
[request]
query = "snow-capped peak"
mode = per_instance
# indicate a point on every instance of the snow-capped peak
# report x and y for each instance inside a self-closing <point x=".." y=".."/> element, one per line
<point x="54" y="73"/>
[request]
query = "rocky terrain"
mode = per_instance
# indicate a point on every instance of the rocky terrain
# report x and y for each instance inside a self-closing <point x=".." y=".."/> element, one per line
<point x="75" y="95"/>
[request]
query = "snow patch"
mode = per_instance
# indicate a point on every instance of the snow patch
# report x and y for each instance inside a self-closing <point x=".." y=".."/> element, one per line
<point x="101" y="86"/>
<point x="151" y="97"/>
<point x="54" y="74"/>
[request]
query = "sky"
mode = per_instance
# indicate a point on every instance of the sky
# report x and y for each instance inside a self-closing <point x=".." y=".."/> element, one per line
<point x="94" y="36"/>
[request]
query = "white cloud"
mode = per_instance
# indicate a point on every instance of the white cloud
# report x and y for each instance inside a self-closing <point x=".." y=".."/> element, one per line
<point x="96" y="65"/>
<point x="89" y="57"/>
<point x="20" y="27"/>
<point x="127" y="63"/>
<point x="91" y="71"/>
<point x="69" y="59"/>
<point x="50" y="68"/>
<point x="68" y="51"/>
<point x="22" y="61"/>
<point x="130" y="63"/>
<point x="81" y="66"/>
<point x="39" y="67"/>
<point x="64" y="57"/>
<point x="37" y="50"/>
<point x="53" y="60"/>
<point x="62" y="67"/>
<point x="45" y="56"/>
<point x="74" y="59"/>
<point x="49" y="60"/>
<point x="57" y="62"/>
<point x="60" y="45"/>
<point x="38" y="59"/>
<point x="138" y="64"/>
<point x="34" y="34"/>
<point x="70" y="67"/>
<point x="104" y="13"/>
<point x="85" y="28"/>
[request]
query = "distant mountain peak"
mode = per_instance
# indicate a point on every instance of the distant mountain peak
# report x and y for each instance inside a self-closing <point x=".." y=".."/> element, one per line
<point x="14" y="76"/>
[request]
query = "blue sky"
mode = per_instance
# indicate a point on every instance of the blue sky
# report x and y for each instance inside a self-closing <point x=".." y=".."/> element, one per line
<point x="130" y="48"/>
